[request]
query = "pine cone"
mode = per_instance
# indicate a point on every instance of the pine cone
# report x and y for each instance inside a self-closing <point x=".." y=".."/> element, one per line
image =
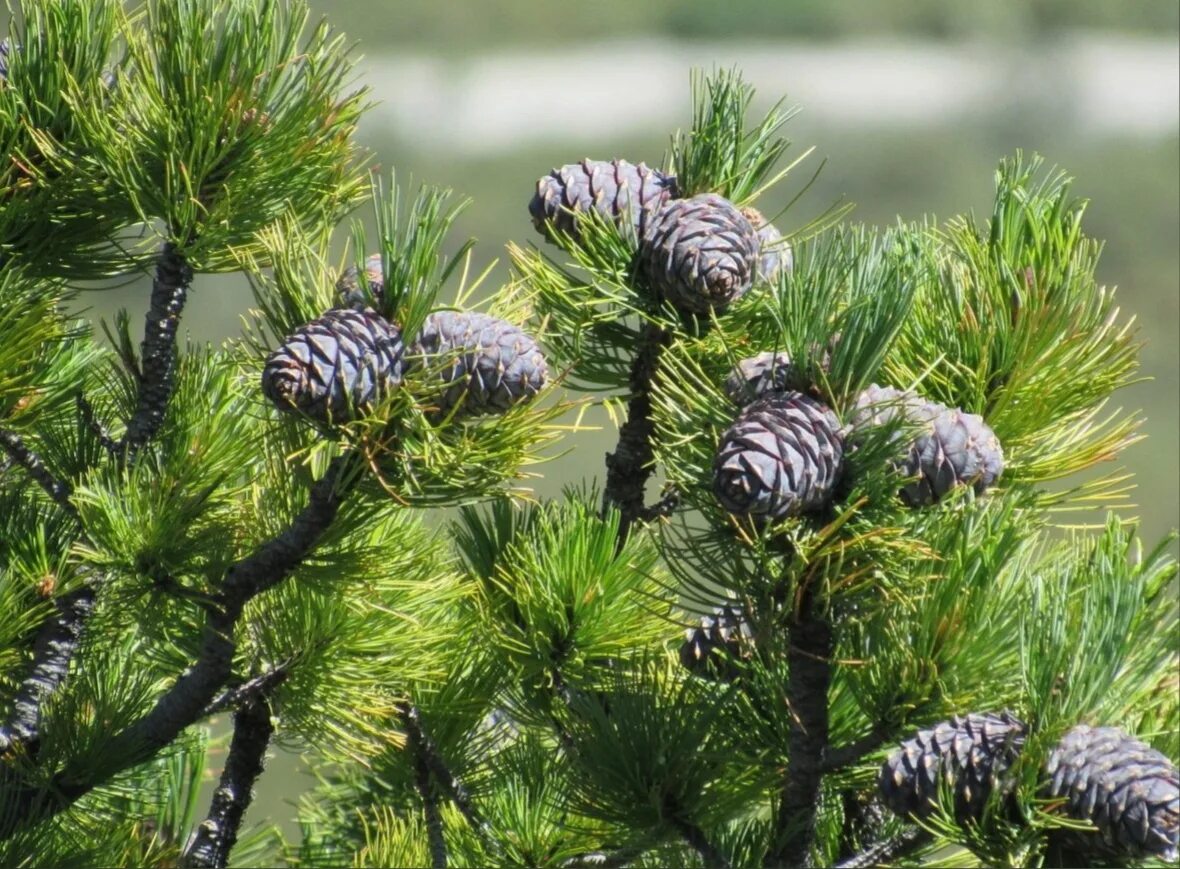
<point x="956" y="447"/>
<point x="352" y="294"/>
<point x="489" y="362"/>
<point x="6" y="48"/>
<point x="781" y="457"/>
<point x="616" y="190"/>
<point x="700" y="253"/>
<point x="335" y="367"/>
<point x="757" y="376"/>
<point x="1122" y="786"/>
<point x="726" y="633"/>
<point x="774" y="253"/>
<point x="970" y="754"/>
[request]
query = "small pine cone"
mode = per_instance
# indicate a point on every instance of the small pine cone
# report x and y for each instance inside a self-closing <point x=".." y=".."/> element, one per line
<point x="352" y="294"/>
<point x="969" y="754"/>
<point x="6" y="48"/>
<point x="1122" y="786"/>
<point x="615" y="189"/>
<point x="700" y="253"/>
<point x="336" y="366"/>
<point x="725" y="633"/>
<point x="759" y="375"/>
<point x="488" y="362"/>
<point x="774" y="252"/>
<point x="956" y="447"/>
<point x="781" y="457"/>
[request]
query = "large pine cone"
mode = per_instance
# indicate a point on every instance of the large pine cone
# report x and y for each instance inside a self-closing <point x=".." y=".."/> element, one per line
<point x="335" y="367"/>
<point x="700" y="254"/>
<point x="352" y="294"/>
<point x="1122" y="786"/>
<point x="488" y="363"/>
<point x="757" y="376"/>
<point x="617" y="190"/>
<point x="781" y="457"/>
<point x="970" y="754"/>
<point x="955" y="449"/>
<point x="774" y="252"/>
<point x="714" y="649"/>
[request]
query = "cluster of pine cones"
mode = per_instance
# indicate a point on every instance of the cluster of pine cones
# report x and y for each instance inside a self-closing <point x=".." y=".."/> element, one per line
<point x="1126" y="789"/>
<point x="784" y="454"/>
<point x="342" y="364"/>
<point x="699" y="253"/>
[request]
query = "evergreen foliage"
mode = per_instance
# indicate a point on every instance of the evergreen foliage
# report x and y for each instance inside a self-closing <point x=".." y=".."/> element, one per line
<point x="505" y="683"/>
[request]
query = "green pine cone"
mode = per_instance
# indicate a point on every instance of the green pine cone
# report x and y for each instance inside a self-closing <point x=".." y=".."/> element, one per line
<point x="617" y="190"/>
<point x="713" y="650"/>
<point x="781" y="457"/>
<point x="955" y="449"/>
<point x="1129" y="791"/>
<point x="352" y="294"/>
<point x="701" y="254"/>
<point x="488" y="364"/>
<point x="774" y="252"/>
<point x="967" y="755"/>
<point x="335" y="367"/>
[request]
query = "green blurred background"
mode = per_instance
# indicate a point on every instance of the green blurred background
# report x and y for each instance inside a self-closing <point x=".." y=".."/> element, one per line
<point x="910" y="102"/>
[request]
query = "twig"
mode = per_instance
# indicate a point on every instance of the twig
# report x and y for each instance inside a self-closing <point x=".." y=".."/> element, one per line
<point x="695" y="837"/>
<point x="158" y="351"/>
<point x="630" y="465"/>
<point x="417" y="746"/>
<point x="59" y="490"/>
<point x="809" y="668"/>
<point x="184" y="703"/>
<point x="259" y="686"/>
<point x="86" y="411"/>
<point x="906" y="843"/>
<point x="662" y="508"/>
<point x="216" y="836"/>
<point x="847" y="755"/>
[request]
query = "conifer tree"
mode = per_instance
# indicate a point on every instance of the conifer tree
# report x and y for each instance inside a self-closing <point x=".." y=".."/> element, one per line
<point x="848" y="630"/>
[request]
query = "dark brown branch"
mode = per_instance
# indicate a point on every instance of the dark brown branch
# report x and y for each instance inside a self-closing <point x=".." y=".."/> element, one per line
<point x="259" y="686"/>
<point x="184" y="703"/>
<point x="216" y="836"/>
<point x="809" y="669"/>
<point x="631" y="464"/>
<point x="905" y="843"/>
<point x="694" y="836"/>
<point x="59" y="490"/>
<point x="86" y="411"/>
<point x="416" y="743"/>
<point x="158" y="351"/>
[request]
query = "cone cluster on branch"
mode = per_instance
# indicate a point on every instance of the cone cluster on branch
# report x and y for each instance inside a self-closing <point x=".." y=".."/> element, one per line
<point x="714" y="648"/>
<point x="701" y="253"/>
<point x="782" y="456"/>
<point x="1103" y="776"/>
<point x="954" y="448"/>
<point x="340" y="365"/>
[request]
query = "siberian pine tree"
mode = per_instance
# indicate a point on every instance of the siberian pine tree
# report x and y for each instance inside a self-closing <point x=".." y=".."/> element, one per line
<point x="849" y="629"/>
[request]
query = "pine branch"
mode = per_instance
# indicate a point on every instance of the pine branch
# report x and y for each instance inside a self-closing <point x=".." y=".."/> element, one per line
<point x="422" y="772"/>
<point x="606" y="859"/>
<point x="694" y="836"/>
<point x="249" y="690"/>
<point x="810" y="674"/>
<point x="185" y="702"/>
<point x="158" y="351"/>
<point x="216" y="836"/>
<point x="847" y="755"/>
<point x="906" y="843"/>
<point x="631" y="464"/>
<point x="86" y="411"/>
<point x="20" y="454"/>
<point x="452" y="786"/>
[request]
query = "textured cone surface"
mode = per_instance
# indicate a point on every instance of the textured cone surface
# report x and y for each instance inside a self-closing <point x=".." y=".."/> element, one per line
<point x="781" y="457"/>
<point x="757" y="376"/>
<point x="774" y="253"/>
<point x="700" y="253"/>
<point x="352" y="294"/>
<point x="336" y="366"/>
<point x="967" y="756"/>
<point x="955" y="449"/>
<point x="1124" y="787"/>
<point x="616" y="189"/>
<point x="5" y="50"/>
<point x="713" y="649"/>
<point x="488" y="364"/>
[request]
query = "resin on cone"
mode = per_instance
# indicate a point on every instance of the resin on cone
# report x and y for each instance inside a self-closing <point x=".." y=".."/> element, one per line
<point x="616" y="189"/>
<point x="335" y="367"/>
<point x="486" y="364"/>
<point x="781" y="457"/>
<point x="700" y="254"/>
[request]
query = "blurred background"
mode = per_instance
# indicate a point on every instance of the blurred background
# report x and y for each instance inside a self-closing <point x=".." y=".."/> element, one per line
<point x="911" y="103"/>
